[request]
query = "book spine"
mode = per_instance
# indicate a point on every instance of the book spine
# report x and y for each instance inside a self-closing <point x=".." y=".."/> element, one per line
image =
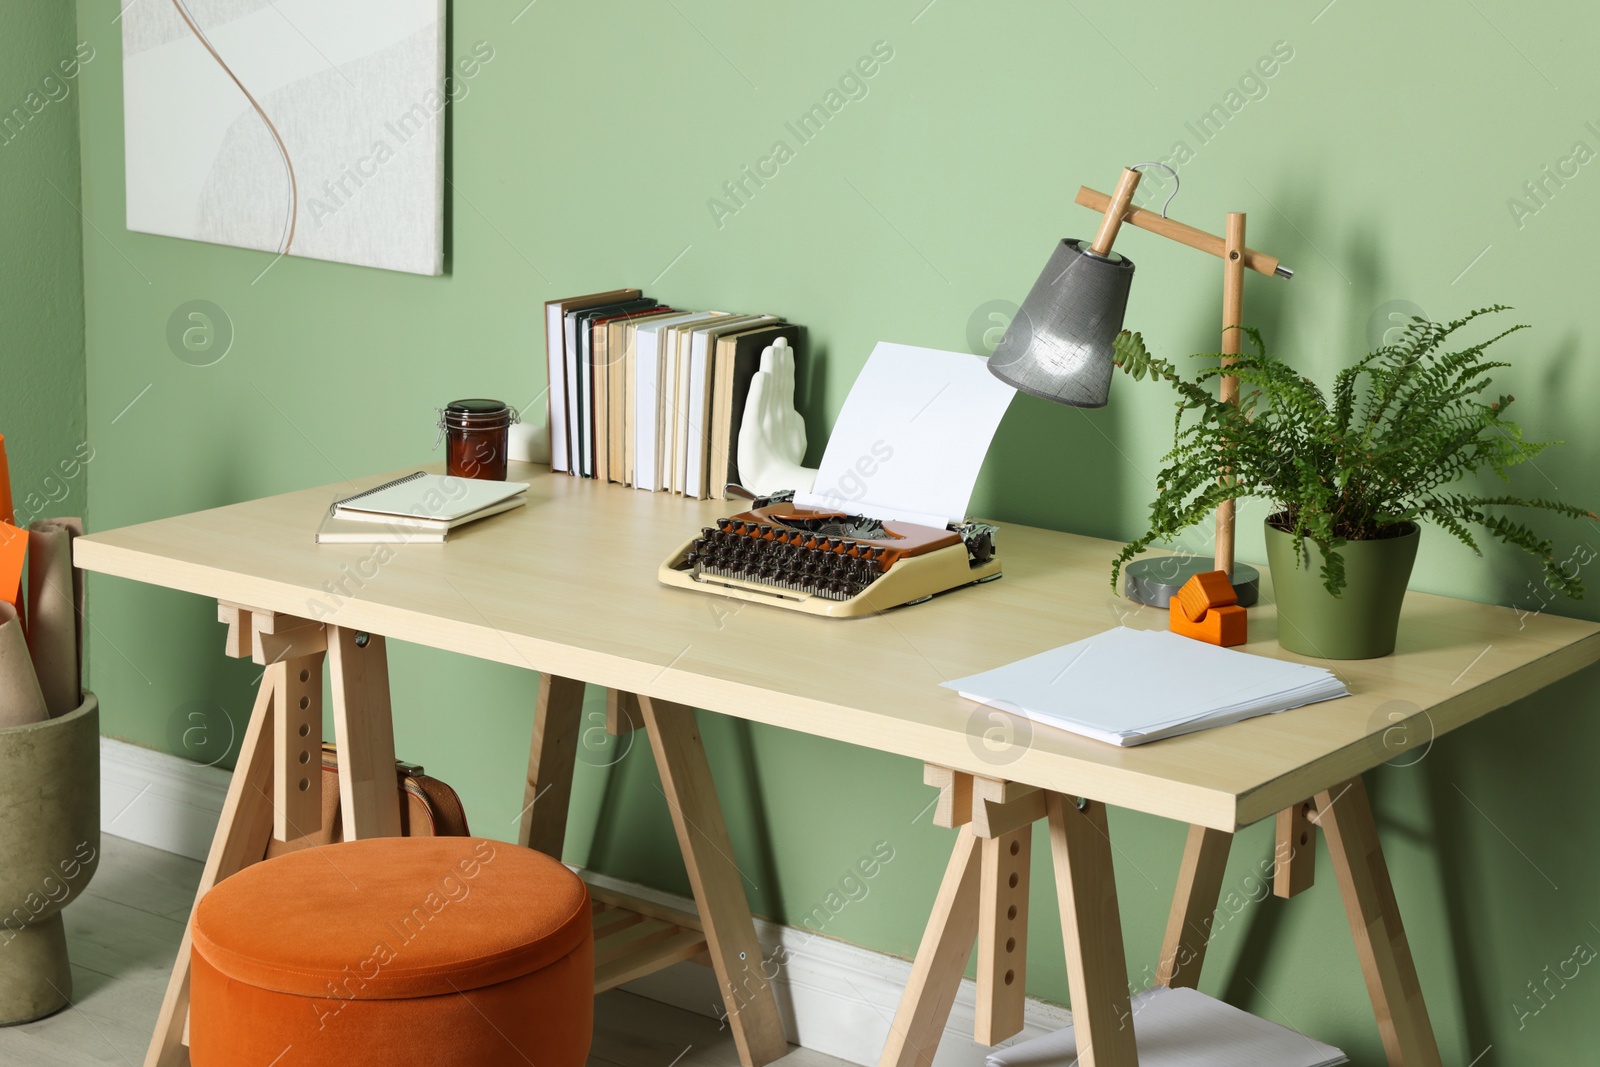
<point x="570" y="399"/>
<point x="555" y="390"/>
<point x="644" y="420"/>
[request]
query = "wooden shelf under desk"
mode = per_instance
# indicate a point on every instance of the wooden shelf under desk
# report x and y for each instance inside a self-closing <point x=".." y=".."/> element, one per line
<point x="633" y="938"/>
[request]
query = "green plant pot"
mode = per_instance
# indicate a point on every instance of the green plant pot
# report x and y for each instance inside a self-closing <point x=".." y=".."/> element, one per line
<point x="1362" y="621"/>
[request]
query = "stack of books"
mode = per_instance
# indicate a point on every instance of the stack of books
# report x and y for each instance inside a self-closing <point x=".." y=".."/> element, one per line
<point x="651" y="396"/>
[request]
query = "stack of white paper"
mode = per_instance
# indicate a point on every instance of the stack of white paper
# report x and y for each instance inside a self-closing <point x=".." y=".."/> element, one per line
<point x="1185" y="1028"/>
<point x="1131" y="686"/>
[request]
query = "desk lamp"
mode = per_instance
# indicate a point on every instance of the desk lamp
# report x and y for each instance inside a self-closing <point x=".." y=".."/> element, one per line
<point x="1059" y="347"/>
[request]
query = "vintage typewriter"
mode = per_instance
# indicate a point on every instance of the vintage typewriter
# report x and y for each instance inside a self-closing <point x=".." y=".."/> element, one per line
<point x="830" y="562"/>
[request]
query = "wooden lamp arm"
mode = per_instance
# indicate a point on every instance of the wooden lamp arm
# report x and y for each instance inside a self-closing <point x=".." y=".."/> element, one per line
<point x="1236" y="258"/>
<point x="1115" y="208"/>
<point x="1176" y="231"/>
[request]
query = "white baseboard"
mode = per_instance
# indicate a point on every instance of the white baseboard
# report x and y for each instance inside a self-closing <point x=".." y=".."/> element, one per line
<point x="157" y="799"/>
<point x="835" y="997"/>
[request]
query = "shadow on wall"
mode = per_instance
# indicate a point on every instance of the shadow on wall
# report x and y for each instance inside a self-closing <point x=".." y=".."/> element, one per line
<point x="1271" y="303"/>
<point x="1558" y="474"/>
<point x="810" y="387"/>
<point x="1045" y="454"/>
<point x="1503" y="764"/>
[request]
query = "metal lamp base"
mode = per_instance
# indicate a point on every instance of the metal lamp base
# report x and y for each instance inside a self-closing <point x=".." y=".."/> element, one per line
<point x="1156" y="581"/>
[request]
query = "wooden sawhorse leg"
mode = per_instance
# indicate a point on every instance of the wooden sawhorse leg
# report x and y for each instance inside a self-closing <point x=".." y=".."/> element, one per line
<point x="730" y="932"/>
<point x="557" y="725"/>
<point x="1091" y="923"/>
<point x="241" y="839"/>
<point x="725" y="926"/>
<point x="1194" y="902"/>
<point x="984" y="895"/>
<point x="1345" y="813"/>
<point x="363" y="730"/>
<point x="1194" y="907"/>
<point x="276" y="788"/>
<point x="941" y="958"/>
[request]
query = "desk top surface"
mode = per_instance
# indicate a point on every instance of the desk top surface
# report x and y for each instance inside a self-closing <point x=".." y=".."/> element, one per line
<point x="568" y="585"/>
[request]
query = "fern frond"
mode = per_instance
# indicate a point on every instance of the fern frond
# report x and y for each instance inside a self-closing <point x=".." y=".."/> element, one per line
<point x="1399" y="428"/>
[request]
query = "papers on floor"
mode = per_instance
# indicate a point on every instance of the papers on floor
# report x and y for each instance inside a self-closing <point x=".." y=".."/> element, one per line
<point x="1185" y="1028"/>
<point x="1127" y="686"/>
<point x="911" y="436"/>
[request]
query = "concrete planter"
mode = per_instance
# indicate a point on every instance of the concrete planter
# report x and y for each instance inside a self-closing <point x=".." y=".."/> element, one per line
<point x="49" y="849"/>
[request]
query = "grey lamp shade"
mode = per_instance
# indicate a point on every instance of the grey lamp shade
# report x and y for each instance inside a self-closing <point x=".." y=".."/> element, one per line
<point x="1058" y="346"/>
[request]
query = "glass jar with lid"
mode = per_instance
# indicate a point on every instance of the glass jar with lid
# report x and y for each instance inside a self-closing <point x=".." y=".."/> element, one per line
<point x="475" y="434"/>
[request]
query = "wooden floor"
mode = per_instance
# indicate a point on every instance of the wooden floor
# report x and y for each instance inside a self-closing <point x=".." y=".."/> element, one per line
<point x="123" y="934"/>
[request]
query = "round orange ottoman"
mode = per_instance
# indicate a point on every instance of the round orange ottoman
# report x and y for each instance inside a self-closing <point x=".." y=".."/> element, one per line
<point x="443" y="950"/>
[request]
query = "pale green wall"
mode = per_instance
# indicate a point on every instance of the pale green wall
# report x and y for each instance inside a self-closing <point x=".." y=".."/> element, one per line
<point x="41" y="261"/>
<point x="1378" y="164"/>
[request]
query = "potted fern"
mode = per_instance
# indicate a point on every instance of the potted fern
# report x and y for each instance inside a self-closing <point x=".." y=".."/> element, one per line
<point x="1352" y="474"/>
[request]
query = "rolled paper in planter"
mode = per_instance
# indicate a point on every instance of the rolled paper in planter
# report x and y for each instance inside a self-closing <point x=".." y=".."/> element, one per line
<point x="6" y="512"/>
<point x="13" y="554"/>
<point x="21" y="702"/>
<point x="13" y="542"/>
<point x="55" y="600"/>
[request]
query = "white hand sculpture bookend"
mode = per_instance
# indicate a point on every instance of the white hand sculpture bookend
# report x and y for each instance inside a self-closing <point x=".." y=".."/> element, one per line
<point x="772" y="436"/>
<point x="528" y="441"/>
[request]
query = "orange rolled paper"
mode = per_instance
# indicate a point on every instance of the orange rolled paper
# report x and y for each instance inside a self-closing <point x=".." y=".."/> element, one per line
<point x="13" y="542"/>
<point x="7" y="512"/>
<point x="13" y="551"/>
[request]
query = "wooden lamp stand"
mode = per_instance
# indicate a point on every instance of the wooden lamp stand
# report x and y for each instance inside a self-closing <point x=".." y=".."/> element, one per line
<point x="1157" y="581"/>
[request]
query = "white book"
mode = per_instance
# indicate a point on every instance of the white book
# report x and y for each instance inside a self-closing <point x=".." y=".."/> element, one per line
<point x="680" y="432"/>
<point x="570" y="331"/>
<point x="697" y="407"/>
<point x="585" y="392"/>
<point x="1185" y="1028"/>
<point x="676" y="366"/>
<point x="696" y="415"/>
<point x="556" y="395"/>
<point x="1127" y="687"/>
<point x="648" y="383"/>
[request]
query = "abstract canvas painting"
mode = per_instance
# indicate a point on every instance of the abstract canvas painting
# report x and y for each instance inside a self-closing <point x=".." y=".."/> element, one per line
<point x="301" y="127"/>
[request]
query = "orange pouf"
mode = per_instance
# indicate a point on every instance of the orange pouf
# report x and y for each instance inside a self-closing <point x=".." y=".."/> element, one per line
<point x="445" y="950"/>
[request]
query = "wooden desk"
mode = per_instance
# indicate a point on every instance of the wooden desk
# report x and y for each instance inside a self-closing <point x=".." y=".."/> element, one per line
<point x="515" y="590"/>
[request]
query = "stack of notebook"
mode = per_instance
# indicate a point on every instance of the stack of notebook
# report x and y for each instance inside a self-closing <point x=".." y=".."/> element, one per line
<point x="1128" y="686"/>
<point x="418" y="508"/>
<point x="651" y="396"/>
